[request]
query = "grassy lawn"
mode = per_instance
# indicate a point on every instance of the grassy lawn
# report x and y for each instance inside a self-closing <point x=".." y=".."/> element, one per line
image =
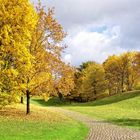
<point x="123" y="109"/>
<point x="42" y="124"/>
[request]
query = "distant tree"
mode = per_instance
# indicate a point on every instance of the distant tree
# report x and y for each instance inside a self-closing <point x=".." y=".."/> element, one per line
<point x="123" y="69"/>
<point x="137" y="63"/>
<point x="78" y="81"/>
<point x="85" y="65"/>
<point x="94" y="82"/>
<point x="64" y="82"/>
<point x="112" y="75"/>
<point x="90" y="81"/>
<point x="120" y="72"/>
<point x="131" y="73"/>
<point x="128" y="75"/>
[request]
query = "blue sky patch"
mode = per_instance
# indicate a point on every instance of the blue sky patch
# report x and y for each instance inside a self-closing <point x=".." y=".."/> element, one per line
<point x="98" y="29"/>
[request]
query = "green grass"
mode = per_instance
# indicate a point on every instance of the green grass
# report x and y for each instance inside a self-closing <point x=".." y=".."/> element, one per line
<point x="42" y="124"/>
<point x="28" y="130"/>
<point x="122" y="109"/>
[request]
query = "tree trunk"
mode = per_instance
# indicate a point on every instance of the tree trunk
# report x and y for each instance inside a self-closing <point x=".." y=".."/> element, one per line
<point x="122" y="83"/>
<point x="28" y="102"/>
<point x="95" y="94"/>
<point x="94" y="91"/>
<point x="109" y="90"/>
<point x="60" y="95"/>
<point x="21" y="100"/>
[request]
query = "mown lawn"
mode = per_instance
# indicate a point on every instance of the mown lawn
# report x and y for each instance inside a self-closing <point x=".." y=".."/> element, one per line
<point x="122" y="109"/>
<point x="42" y="124"/>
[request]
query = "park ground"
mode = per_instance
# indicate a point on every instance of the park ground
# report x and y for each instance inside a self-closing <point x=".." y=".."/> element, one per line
<point x="46" y="121"/>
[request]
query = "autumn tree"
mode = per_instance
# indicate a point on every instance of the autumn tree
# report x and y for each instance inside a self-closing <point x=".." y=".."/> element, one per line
<point x="137" y="63"/>
<point x="123" y="63"/>
<point x="17" y="23"/>
<point x="120" y="72"/>
<point x="112" y="75"/>
<point x="94" y="80"/>
<point x="131" y="74"/>
<point x="45" y="48"/>
<point x="85" y="65"/>
<point x="65" y="82"/>
<point x="91" y="81"/>
<point x="30" y="42"/>
<point x="136" y="69"/>
<point x="128" y="75"/>
<point x="78" y="80"/>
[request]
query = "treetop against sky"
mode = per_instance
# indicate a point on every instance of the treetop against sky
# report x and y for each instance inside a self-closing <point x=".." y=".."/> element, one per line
<point x="97" y="29"/>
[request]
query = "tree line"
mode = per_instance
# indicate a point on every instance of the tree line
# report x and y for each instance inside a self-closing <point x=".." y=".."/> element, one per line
<point x="117" y="74"/>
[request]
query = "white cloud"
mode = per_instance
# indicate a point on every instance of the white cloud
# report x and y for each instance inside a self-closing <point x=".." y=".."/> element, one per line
<point x="67" y="58"/>
<point x="86" y="45"/>
<point x="121" y="17"/>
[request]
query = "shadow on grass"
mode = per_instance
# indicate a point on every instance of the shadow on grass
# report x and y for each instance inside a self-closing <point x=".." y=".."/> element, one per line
<point x="114" y="99"/>
<point x="55" y="101"/>
<point x="126" y="122"/>
<point x="51" y="102"/>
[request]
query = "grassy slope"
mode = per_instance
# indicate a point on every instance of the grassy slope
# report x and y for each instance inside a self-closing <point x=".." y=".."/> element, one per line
<point x="123" y="109"/>
<point x="42" y="124"/>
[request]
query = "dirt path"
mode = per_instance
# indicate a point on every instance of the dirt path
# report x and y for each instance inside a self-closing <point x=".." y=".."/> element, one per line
<point x="100" y="130"/>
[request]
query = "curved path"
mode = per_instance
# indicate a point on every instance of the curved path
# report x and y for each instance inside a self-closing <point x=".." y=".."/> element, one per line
<point x="100" y="130"/>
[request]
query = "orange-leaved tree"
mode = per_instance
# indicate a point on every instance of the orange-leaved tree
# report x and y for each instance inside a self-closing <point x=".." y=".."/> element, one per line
<point x="45" y="48"/>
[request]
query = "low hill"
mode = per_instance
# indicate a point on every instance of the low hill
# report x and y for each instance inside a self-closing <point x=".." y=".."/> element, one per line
<point x="124" y="97"/>
<point x="122" y="109"/>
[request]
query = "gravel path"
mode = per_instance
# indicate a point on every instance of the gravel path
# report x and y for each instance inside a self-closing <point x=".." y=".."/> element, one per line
<point x="100" y="130"/>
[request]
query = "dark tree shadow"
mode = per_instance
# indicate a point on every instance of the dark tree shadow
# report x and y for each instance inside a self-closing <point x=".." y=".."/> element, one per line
<point x="126" y="122"/>
<point x="55" y="101"/>
<point x="114" y="98"/>
<point x="51" y="102"/>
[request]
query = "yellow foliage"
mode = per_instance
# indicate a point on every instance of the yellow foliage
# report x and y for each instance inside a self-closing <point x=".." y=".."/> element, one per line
<point x="18" y="20"/>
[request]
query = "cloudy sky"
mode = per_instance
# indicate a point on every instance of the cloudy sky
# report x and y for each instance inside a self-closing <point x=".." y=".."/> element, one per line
<point x="98" y="28"/>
